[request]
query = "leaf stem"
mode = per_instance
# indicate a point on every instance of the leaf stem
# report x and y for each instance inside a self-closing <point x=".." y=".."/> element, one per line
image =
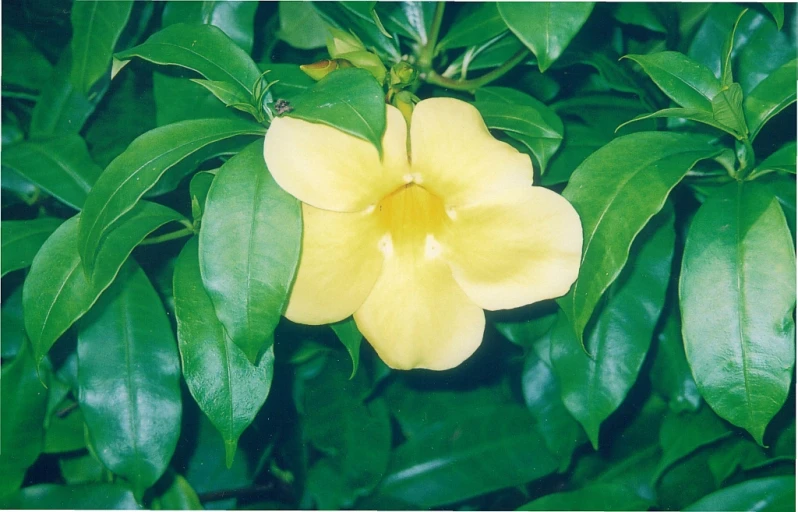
<point x="475" y="83"/>
<point x="428" y="51"/>
<point x="168" y="236"/>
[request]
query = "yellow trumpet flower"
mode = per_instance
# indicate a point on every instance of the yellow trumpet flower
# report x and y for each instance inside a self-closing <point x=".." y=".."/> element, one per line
<point x="417" y="246"/>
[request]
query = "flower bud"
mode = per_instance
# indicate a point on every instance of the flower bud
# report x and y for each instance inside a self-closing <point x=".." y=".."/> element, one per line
<point x="340" y="42"/>
<point x="322" y="68"/>
<point x="405" y="101"/>
<point x="403" y="74"/>
<point x="368" y="61"/>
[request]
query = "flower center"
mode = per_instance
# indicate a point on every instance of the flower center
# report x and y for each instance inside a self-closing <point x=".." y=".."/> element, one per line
<point x="412" y="218"/>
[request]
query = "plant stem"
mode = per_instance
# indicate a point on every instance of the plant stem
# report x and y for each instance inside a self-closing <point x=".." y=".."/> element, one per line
<point x="428" y="51"/>
<point x="168" y="236"/>
<point x="475" y="83"/>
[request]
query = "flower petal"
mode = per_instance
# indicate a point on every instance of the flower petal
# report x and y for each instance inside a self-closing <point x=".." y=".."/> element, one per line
<point x="417" y="317"/>
<point x="457" y="158"/>
<point x="518" y="248"/>
<point x="339" y="265"/>
<point x="333" y="170"/>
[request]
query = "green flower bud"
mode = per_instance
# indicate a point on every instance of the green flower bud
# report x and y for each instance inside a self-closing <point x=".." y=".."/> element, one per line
<point x="403" y="74"/>
<point x="405" y="101"/>
<point x="322" y="68"/>
<point x="368" y="61"/>
<point x="340" y="42"/>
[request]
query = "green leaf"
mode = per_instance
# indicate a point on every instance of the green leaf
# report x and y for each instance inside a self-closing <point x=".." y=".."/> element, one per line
<point x="542" y="394"/>
<point x="594" y="497"/>
<point x="61" y="166"/>
<point x="579" y="142"/>
<point x="726" y="78"/>
<point x="177" y="496"/>
<point x="198" y="188"/>
<point x="781" y="160"/>
<point x="227" y="387"/>
<point x="475" y="24"/>
<point x="22" y="239"/>
<point x="616" y="191"/>
<point x="760" y="494"/>
<point x="603" y="112"/>
<point x="288" y="80"/>
<point x="86" y="496"/>
<point x="691" y="114"/>
<point x="249" y="249"/>
<point x="739" y="258"/>
<point x="225" y="92"/>
<point x="57" y="292"/>
<point x="359" y="18"/>
<point x="683" y="434"/>
<point x="727" y="109"/>
<point x="236" y="19"/>
<point x="783" y="187"/>
<point x="181" y="146"/>
<point x="733" y="455"/>
<point x="205" y="49"/>
<point x="685" y="81"/>
<point x="96" y="27"/>
<point x="670" y="375"/>
<point x="350" y="336"/>
<point x="24" y="401"/>
<point x="13" y="325"/>
<point x="65" y="434"/>
<point x="523" y="118"/>
<point x="25" y="66"/>
<point x="493" y="53"/>
<point x="412" y="18"/>
<point x="641" y="15"/>
<point x="353" y="103"/>
<point x="546" y="28"/>
<point x="776" y="10"/>
<point x="593" y="386"/>
<point x="355" y="435"/>
<point x="127" y="357"/>
<point x="301" y="26"/>
<point x="61" y="108"/>
<point x="81" y="468"/>
<point x="771" y="96"/>
<point x="618" y="77"/>
<point x="491" y="449"/>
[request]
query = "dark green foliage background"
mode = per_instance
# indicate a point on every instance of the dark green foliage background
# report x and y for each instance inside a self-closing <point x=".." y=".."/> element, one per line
<point x="663" y="380"/>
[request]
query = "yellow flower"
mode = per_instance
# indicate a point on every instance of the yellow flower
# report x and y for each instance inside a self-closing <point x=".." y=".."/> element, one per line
<point x="416" y="247"/>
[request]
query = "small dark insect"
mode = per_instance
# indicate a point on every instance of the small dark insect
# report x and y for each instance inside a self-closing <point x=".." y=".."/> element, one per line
<point x="282" y="107"/>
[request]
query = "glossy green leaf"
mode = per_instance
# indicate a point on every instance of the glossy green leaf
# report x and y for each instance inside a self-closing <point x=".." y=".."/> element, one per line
<point x="642" y="15"/>
<point x="739" y="257"/>
<point x="61" y="108"/>
<point x="354" y="103"/>
<point x="604" y="112"/>
<point x="690" y="114"/>
<point x="24" y="401"/>
<point x="86" y="496"/>
<point x="65" y="433"/>
<point x="249" y="249"/>
<point x="177" y="496"/>
<point x="726" y="74"/>
<point x="177" y="148"/>
<point x="579" y="142"/>
<point x="289" y="80"/>
<point x="616" y="191"/>
<point x="686" y="481"/>
<point x="228" y="388"/>
<point x="25" y="66"/>
<point x="354" y="434"/>
<point x="542" y="392"/>
<point x="523" y="118"/>
<point x="198" y="188"/>
<point x="546" y="28"/>
<point x="80" y="468"/>
<point x="727" y="109"/>
<point x="225" y="92"/>
<point x="783" y="187"/>
<point x="412" y="18"/>
<point x="735" y="454"/>
<point x="57" y="291"/>
<point x="351" y="338"/>
<point x="593" y="386"/>
<point x="61" y="166"/>
<point x="477" y="23"/>
<point x="492" y="449"/>
<point x="761" y="494"/>
<point x="776" y="9"/>
<point x="595" y="497"/>
<point x="359" y="18"/>
<point x="22" y="239"/>
<point x="490" y="54"/>
<point x="617" y="76"/>
<point x="685" y="81"/>
<point x="670" y="375"/>
<point x="781" y="160"/>
<point x="12" y="325"/>
<point x="205" y="49"/>
<point x="129" y="380"/>
<point x="771" y="96"/>
<point x="236" y="19"/>
<point x="301" y="26"/>
<point x="96" y="27"/>
<point x="683" y="433"/>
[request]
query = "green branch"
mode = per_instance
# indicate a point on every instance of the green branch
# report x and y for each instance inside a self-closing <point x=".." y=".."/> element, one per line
<point x="475" y="83"/>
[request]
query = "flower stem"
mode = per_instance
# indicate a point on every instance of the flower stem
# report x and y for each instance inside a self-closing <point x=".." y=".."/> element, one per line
<point x="428" y="51"/>
<point x="174" y="235"/>
<point x="475" y="83"/>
